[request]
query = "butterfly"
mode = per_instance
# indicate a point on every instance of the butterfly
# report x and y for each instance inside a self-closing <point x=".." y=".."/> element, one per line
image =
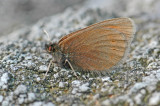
<point x="98" y="47"/>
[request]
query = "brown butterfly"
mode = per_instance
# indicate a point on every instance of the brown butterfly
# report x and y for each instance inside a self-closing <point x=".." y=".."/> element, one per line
<point x="98" y="47"/>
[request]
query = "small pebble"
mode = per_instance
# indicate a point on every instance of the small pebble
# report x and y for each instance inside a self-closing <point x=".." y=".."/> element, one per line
<point x="155" y="98"/>
<point x="31" y="97"/>
<point x="43" y="68"/>
<point x="20" y="89"/>
<point x="84" y="87"/>
<point x="1" y="98"/>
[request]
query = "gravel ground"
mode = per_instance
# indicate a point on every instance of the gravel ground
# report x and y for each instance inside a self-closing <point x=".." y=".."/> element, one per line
<point x="23" y="62"/>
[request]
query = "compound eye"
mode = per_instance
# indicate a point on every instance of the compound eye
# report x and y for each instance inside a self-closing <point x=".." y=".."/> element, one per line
<point x="50" y="48"/>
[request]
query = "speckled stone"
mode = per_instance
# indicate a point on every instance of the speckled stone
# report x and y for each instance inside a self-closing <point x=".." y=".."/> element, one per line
<point x="23" y="60"/>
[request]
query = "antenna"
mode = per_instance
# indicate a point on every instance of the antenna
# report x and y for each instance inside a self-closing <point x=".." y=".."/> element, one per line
<point x="48" y="36"/>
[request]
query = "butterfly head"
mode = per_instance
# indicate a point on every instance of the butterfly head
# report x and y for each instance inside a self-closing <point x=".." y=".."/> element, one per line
<point x="51" y="48"/>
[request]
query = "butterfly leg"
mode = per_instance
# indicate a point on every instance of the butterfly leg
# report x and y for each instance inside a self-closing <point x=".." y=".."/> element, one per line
<point x="47" y="69"/>
<point x="71" y="67"/>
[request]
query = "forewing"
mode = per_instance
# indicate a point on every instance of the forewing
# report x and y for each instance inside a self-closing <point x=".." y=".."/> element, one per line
<point x="99" y="46"/>
<point x="123" y="25"/>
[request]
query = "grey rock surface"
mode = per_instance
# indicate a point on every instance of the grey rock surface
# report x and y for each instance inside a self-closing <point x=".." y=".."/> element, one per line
<point x="15" y="14"/>
<point x="23" y="61"/>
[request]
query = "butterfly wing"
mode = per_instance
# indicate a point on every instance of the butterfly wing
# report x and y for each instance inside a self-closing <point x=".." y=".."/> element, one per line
<point x="99" y="46"/>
